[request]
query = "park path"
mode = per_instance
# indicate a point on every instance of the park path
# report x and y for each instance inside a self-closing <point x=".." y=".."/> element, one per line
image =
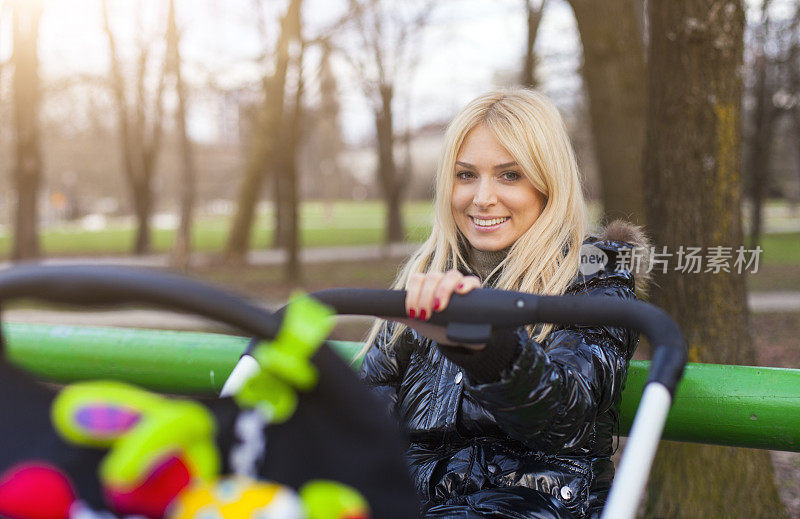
<point x="257" y="257"/>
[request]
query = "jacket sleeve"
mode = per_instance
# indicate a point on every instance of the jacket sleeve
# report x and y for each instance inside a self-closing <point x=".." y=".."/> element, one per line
<point x="551" y="394"/>
<point x="383" y="368"/>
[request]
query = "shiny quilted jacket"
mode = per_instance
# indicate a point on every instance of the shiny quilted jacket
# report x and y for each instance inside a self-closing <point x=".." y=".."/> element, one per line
<point x="535" y="443"/>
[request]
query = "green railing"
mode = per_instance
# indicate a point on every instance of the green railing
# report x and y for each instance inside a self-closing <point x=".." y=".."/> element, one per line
<point x="729" y="405"/>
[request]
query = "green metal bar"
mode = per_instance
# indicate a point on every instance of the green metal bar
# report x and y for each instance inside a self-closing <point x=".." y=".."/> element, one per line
<point x="741" y="406"/>
<point x="177" y="362"/>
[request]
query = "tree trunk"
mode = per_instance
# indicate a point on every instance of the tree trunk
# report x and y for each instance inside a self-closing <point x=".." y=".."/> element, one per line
<point x="329" y="131"/>
<point x="267" y="137"/>
<point x="759" y="158"/>
<point x="796" y="118"/>
<point x="391" y="187"/>
<point x="757" y="168"/>
<point x="794" y="78"/>
<point x="182" y="248"/>
<point x="293" y="268"/>
<point x="394" y="222"/>
<point x="28" y="166"/>
<point x="692" y="172"/>
<point x="143" y="203"/>
<point x="279" y="197"/>
<point x="534" y="19"/>
<point x="616" y="83"/>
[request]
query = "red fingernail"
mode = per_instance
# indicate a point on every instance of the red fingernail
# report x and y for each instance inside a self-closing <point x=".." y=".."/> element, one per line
<point x="412" y="313"/>
<point x="436" y="303"/>
<point x="460" y="286"/>
<point x="422" y="314"/>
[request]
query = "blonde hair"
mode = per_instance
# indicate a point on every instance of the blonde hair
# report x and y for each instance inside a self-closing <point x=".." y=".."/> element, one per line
<point x="545" y="258"/>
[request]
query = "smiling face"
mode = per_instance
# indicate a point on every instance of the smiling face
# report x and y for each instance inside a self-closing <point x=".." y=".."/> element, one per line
<point x="493" y="202"/>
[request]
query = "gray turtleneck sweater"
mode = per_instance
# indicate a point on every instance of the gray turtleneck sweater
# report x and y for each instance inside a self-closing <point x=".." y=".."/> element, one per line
<point x="483" y="262"/>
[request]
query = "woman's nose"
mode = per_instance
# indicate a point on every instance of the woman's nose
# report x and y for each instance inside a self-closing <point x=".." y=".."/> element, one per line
<point x="485" y="194"/>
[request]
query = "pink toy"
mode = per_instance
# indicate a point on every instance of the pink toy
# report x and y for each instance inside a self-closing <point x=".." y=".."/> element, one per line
<point x="152" y="496"/>
<point x="35" y="490"/>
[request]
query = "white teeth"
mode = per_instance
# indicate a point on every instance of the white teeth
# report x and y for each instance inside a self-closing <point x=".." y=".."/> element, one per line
<point x="489" y="223"/>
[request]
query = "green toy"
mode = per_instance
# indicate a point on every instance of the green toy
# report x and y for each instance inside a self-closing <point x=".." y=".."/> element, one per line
<point x="139" y="427"/>
<point x="285" y="361"/>
<point x="325" y="499"/>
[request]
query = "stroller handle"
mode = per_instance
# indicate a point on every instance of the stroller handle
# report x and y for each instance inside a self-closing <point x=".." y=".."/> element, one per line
<point x="509" y="309"/>
<point x="103" y="285"/>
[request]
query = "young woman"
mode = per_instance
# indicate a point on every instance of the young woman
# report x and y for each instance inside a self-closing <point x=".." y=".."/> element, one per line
<point x="521" y="426"/>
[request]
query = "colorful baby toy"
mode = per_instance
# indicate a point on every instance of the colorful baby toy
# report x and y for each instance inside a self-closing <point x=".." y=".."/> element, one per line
<point x="163" y="460"/>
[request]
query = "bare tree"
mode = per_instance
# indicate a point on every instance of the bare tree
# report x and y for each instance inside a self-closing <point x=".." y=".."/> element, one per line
<point x="288" y="171"/>
<point x="534" y="9"/>
<point x="771" y="71"/>
<point x="182" y="248"/>
<point x="794" y="77"/>
<point x="140" y="126"/>
<point x="692" y="172"/>
<point x="763" y="117"/>
<point x="386" y="32"/>
<point x="616" y="84"/>
<point x="266" y="141"/>
<point x="3" y="9"/>
<point x="330" y="137"/>
<point x="28" y="168"/>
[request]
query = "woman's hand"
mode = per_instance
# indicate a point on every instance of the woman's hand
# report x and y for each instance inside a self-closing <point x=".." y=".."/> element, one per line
<point x="431" y="292"/>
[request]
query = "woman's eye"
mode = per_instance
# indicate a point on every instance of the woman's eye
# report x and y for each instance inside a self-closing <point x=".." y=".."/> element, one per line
<point x="464" y="175"/>
<point x="511" y="175"/>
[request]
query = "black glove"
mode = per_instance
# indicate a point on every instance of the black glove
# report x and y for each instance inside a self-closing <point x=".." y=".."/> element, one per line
<point x="486" y="365"/>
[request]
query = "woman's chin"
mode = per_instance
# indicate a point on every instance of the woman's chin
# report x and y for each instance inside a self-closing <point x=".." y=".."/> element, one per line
<point x="488" y="243"/>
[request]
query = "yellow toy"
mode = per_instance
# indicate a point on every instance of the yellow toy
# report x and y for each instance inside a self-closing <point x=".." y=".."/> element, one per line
<point x="237" y="497"/>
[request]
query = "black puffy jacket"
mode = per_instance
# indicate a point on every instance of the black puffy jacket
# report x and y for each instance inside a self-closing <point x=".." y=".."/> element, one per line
<point x="535" y="443"/>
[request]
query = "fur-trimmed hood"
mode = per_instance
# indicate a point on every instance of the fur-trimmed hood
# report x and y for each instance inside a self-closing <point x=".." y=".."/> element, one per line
<point x="621" y="235"/>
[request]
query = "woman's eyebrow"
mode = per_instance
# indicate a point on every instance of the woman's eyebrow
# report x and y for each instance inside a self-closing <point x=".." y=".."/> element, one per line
<point x="506" y="165"/>
<point x="499" y="166"/>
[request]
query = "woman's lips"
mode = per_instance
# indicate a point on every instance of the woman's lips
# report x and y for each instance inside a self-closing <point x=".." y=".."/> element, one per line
<point x="488" y="228"/>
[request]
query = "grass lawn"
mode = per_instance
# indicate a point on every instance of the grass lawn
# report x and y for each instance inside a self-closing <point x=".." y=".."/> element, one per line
<point x="322" y="224"/>
<point x="781" y="249"/>
<point x="779" y="265"/>
<point x="341" y="223"/>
